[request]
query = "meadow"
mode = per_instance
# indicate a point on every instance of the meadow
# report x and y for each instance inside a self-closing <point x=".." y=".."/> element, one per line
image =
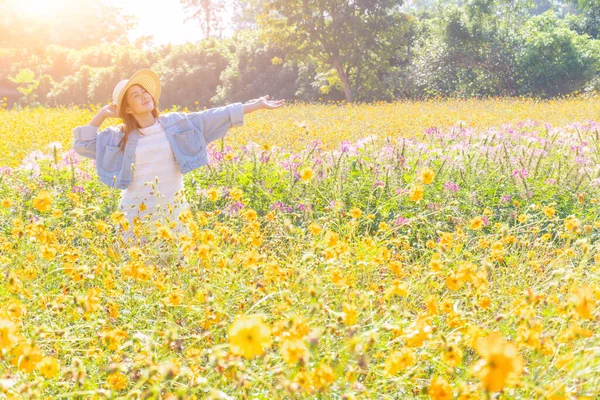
<point x="441" y="249"/>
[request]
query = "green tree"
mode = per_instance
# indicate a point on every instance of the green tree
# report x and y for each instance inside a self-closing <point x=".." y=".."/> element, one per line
<point x="351" y="37"/>
<point x="209" y="13"/>
<point x="245" y="13"/>
<point x="555" y="60"/>
<point x="26" y="84"/>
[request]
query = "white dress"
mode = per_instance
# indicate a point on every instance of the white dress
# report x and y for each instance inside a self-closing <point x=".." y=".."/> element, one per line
<point x="154" y="160"/>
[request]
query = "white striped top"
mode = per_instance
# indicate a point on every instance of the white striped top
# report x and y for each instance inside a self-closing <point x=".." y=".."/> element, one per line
<point x="154" y="160"/>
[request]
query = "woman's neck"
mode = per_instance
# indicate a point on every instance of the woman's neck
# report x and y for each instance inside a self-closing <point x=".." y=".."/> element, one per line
<point x="146" y="120"/>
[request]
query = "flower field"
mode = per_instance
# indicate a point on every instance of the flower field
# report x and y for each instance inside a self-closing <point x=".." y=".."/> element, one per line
<point x="432" y="250"/>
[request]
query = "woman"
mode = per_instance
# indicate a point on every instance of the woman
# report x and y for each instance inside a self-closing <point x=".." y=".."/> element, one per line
<point x="149" y="153"/>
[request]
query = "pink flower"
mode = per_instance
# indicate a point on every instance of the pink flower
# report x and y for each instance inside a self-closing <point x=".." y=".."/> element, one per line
<point x="451" y="186"/>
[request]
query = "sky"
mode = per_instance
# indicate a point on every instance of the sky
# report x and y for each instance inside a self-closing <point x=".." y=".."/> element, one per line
<point x="169" y="13"/>
<point x="162" y="19"/>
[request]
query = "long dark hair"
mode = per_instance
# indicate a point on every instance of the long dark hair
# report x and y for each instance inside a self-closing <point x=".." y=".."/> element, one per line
<point x="129" y="122"/>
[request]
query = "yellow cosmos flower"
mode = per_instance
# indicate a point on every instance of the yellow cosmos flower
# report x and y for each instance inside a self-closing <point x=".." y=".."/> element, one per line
<point x="7" y="334"/>
<point x="49" y="367"/>
<point x="350" y="314"/>
<point x="584" y="301"/>
<point x="323" y="376"/>
<point x="549" y="211"/>
<point x="249" y="336"/>
<point x="236" y="194"/>
<point x="499" y="360"/>
<point x="355" y="212"/>
<point x="306" y="174"/>
<point x="250" y="215"/>
<point x="294" y="350"/>
<point x="117" y="381"/>
<point x="314" y="228"/>
<point x="452" y="355"/>
<point x="572" y="224"/>
<point x="331" y="238"/>
<point x="439" y="389"/>
<point x="213" y="194"/>
<point x="399" y="360"/>
<point x="419" y="331"/>
<point x="43" y="200"/>
<point x="476" y="223"/>
<point x="26" y="356"/>
<point x="416" y="192"/>
<point x="427" y="176"/>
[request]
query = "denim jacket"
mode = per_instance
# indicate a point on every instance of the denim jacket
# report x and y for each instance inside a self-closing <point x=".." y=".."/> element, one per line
<point x="188" y="135"/>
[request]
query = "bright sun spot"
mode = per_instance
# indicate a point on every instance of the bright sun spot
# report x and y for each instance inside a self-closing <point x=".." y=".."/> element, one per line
<point x="37" y="8"/>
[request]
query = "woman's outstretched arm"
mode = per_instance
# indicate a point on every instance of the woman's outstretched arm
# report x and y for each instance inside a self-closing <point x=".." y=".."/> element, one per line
<point x="262" y="103"/>
<point x="215" y="122"/>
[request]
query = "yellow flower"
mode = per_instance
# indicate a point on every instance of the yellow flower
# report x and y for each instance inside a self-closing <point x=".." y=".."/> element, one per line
<point x="399" y="360"/>
<point x="6" y="202"/>
<point x="174" y="298"/>
<point x="27" y="356"/>
<point x="427" y="176"/>
<point x="91" y="302"/>
<point x="250" y="215"/>
<point x="164" y="232"/>
<point x="249" y="336"/>
<point x="142" y="207"/>
<point x="350" y="314"/>
<point x="213" y="194"/>
<point x="42" y="201"/>
<point x="418" y="332"/>
<point x="573" y="224"/>
<point x="314" y="228"/>
<point x="454" y="282"/>
<point x="251" y="259"/>
<point x="323" y="376"/>
<point x="452" y="355"/>
<point x="306" y="174"/>
<point x="117" y="381"/>
<point x="7" y="334"/>
<point x="439" y="389"/>
<point x="236" y="194"/>
<point x="549" y="211"/>
<point x="398" y="287"/>
<point x="416" y="192"/>
<point x="476" y="223"/>
<point x="294" y="350"/>
<point x="48" y="252"/>
<point x="584" y="301"/>
<point x="49" y="367"/>
<point x="331" y="238"/>
<point x="355" y="213"/>
<point x="484" y="302"/>
<point x="500" y="359"/>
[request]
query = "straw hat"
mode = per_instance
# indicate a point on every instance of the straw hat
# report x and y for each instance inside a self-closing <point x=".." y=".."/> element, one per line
<point x="146" y="78"/>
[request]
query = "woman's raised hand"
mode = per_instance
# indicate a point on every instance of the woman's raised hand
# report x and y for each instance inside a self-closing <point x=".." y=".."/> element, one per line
<point x="109" y="111"/>
<point x="264" y="102"/>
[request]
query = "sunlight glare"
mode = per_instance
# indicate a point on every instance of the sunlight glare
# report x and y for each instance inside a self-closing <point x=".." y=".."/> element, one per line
<point x="37" y="8"/>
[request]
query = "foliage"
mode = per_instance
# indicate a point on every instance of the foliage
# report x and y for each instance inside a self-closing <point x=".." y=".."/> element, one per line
<point x="555" y="60"/>
<point x="457" y="262"/>
<point x="351" y="38"/>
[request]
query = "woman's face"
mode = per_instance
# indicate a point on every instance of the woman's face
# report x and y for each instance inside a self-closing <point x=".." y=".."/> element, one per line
<point x="138" y="100"/>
